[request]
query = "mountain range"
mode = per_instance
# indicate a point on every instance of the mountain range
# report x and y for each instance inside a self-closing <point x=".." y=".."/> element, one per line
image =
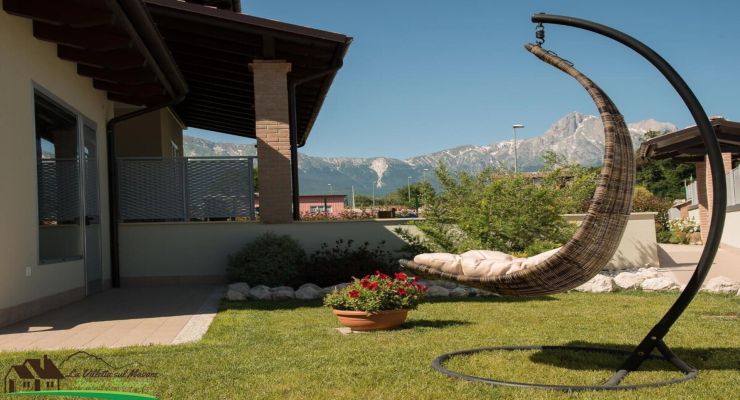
<point x="576" y="136"/>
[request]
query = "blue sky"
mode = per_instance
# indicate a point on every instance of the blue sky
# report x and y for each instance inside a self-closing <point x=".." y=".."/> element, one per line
<point x="425" y="75"/>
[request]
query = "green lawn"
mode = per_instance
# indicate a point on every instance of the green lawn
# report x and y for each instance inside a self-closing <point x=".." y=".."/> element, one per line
<point x="291" y="350"/>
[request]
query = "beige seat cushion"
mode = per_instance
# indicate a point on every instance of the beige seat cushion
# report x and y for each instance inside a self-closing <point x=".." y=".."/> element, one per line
<point x="481" y="263"/>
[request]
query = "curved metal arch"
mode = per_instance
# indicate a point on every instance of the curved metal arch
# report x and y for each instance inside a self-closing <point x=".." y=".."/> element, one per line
<point x="654" y="339"/>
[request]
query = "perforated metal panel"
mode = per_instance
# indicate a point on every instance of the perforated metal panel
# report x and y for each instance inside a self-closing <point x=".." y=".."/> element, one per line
<point x="59" y="190"/>
<point x="193" y="188"/>
<point x="219" y="188"/>
<point x="151" y="189"/>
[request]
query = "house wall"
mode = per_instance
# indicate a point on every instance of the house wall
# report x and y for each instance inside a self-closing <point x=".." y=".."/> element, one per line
<point x="148" y="135"/>
<point x="335" y="202"/>
<point x="23" y="62"/>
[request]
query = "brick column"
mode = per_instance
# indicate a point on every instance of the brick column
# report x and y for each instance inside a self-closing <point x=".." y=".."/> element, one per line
<point x="704" y="190"/>
<point x="272" y="119"/>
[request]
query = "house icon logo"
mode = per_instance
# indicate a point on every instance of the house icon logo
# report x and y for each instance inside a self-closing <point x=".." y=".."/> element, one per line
<point x="34" y="374"/>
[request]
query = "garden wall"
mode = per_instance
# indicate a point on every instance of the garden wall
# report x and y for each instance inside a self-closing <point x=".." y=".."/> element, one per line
<point x="639" y="246"/>
<point x="197" y="251"/>
<point x="731" y="233"/>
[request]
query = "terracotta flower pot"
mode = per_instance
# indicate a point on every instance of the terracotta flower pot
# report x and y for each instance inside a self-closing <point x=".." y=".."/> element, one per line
<point x="364" y="321"/>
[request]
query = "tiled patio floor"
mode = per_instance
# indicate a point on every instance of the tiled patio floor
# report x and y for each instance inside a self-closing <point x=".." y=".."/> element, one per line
<point x="681" y="260"/>
<point x="118" y="318"/>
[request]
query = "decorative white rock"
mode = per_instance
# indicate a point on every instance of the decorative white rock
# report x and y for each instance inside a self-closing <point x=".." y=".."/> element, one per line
<point x="648" y="273"/>
<point x="283" y="293"/>
<point x="597" y="284"/>
<point x="660" y="283"/>
<point x="437" y="291"/>
<point x="260" y="292"/>
<point x="721" y="284"/>
<point x="330" y="289"/>
<point x="241" y="287"/>
<point x="629" y="280"/>
<point x="309" y="291"/>
<point x="458" y="292"/>
<point x="445" y="284"/>
<point x="235" y="295"/>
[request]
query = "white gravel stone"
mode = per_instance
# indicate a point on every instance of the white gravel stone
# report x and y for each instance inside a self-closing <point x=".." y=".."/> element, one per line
<point x="629" y="280"/>
<point x="660" y="283"/>
<point x="260" y="292"/>
<point x="437" y="291"/>
<point x="459" y="292"/>
<point x="235" y="295"/>
<point x="721" y="284"/>
<point x="309" y="291"/>
<point x="282" y="293"/>
<point x="648" y="273"/>
<point x="330" y="289"/>
<point x="445" y="284"/>
<point x="242" y="287"/>
<point x="597" y="284"/>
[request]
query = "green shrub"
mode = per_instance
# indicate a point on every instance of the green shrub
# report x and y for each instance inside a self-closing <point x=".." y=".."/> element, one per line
<point x="329" y="266"/>
<point x="494" y="210"/>
<point x="271" y="260"/>
<point x="644" y="201"/>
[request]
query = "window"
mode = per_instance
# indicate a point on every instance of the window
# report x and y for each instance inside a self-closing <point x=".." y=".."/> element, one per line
<point x="320" y="209"/>
<point x="58" y="179"/>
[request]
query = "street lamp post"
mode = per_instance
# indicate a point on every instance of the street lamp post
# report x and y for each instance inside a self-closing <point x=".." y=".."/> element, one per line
<point x="373" y="195"/>
<point x="331" y="188"/>
<point x="425" y="174"/>
<point x="408" y="184"/>
<point x="516" y="160"/>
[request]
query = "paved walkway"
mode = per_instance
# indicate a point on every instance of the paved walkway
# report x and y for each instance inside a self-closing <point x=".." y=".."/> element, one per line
<point x="118" y="318"/>
<point x="681" y="260"/>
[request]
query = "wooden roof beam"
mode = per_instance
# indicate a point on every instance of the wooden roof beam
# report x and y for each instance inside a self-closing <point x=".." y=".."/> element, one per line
<point x="144" y="90"/>
<point x="59" y="12"/>
<point x="86" y="38"/>
<point x="133" y="76"/>
<point x="115" y="59"/>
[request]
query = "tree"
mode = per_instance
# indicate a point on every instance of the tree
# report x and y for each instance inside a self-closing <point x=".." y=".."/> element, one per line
<point x="423" y="191"/>
<point x="494" y="210"/>
<point x="663" y="178"/>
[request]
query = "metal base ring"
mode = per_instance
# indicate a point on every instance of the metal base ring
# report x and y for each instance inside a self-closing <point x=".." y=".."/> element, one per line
<point x="438" y="364"/>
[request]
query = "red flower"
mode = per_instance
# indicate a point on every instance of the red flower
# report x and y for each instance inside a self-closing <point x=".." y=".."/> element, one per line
<point x="401" y="276"/>
<point x="420" y="287"/>
<point x="365" y="283"/>
<point x="401" y="291"/>
<point x="373" y="285"/>
<point x="354" y="294"/>
<point x="382" y="275"/>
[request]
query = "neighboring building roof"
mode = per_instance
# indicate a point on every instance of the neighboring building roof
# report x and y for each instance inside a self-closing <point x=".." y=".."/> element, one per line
<point x="687" y="145"/>
<point x="213" y="48"/>
<point x="114" y="42"/>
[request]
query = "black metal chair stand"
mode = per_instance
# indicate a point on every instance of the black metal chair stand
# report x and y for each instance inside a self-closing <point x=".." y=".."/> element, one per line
<point x="654" y="339"/>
